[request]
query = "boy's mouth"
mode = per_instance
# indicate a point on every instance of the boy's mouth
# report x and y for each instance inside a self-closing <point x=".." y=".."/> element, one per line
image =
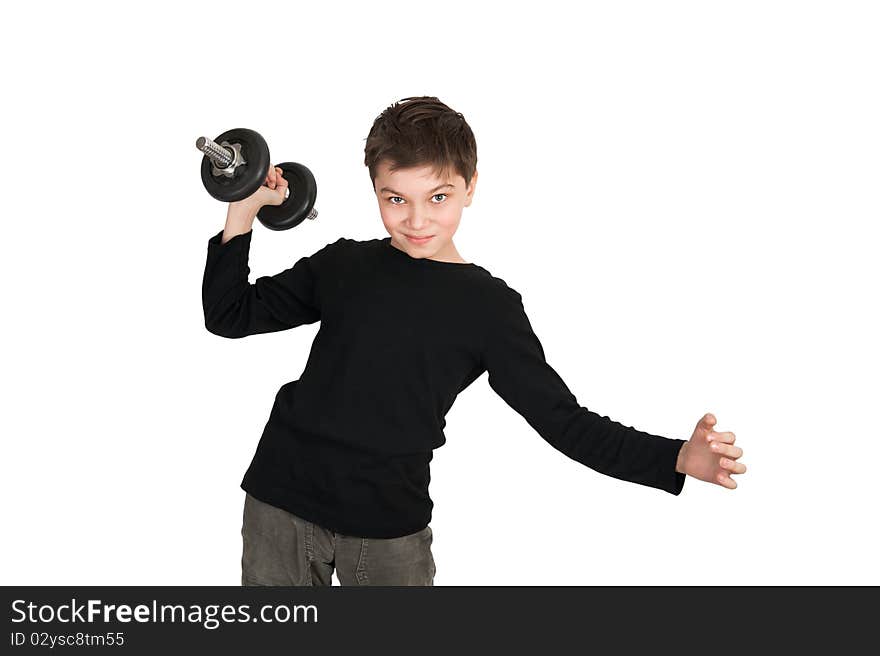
<point x="418" y="240"/>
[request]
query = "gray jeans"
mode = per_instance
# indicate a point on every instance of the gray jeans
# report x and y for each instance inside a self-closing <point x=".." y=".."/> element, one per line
<point x="280" y="548"/>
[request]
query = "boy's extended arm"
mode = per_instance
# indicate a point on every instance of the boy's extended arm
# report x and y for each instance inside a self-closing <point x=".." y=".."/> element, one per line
<point x="235" y="308"/>
<point x="520" y="374"/>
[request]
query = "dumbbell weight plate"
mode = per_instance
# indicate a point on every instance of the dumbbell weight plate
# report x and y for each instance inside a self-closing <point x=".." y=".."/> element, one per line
<point x="248" y="177"/>
<point x="292" y="212"/>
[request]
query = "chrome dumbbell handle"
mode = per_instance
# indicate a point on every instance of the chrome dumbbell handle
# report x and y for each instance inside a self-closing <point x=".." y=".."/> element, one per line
<point x="225" y="157"/>
<point x="219" y="155"/>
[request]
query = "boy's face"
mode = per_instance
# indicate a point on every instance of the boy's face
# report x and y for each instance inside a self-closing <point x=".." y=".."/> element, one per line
<point x="415" y="203"/>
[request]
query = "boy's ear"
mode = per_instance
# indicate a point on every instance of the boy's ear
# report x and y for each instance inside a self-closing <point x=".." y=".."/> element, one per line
<point x="472" y="184"/>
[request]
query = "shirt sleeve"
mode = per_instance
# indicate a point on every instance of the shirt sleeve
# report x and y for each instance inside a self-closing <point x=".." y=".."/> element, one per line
<point x="519" y="374"/>
<point x="235" y="308"/>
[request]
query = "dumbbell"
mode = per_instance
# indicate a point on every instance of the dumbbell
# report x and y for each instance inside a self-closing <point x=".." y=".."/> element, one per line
<point x="234" y="166"/>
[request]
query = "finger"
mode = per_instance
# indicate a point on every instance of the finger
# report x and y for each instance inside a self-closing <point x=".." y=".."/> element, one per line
<point x="723" y="479"/>
<point x="732" y="466"/>
<point x="707" y="421"/>
<point x="726" y="450"/>
<point x="724" y="436"/>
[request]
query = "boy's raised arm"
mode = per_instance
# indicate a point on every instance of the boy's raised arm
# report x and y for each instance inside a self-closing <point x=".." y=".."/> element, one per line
<point x="520" y="374"/>
<point x="235" y="308"/>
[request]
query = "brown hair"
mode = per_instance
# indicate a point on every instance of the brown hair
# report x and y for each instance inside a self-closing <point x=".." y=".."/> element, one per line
<point x="418" y="131"/>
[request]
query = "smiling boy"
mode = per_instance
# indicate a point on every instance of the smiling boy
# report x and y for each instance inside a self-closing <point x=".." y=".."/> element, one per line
<point x="339" y="481"/>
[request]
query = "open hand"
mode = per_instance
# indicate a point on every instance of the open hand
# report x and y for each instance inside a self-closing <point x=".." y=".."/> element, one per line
<point x="710" y="455"/>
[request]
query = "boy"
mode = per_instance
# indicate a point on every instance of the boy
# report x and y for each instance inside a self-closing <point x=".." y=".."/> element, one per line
<point x="340" y="476"/>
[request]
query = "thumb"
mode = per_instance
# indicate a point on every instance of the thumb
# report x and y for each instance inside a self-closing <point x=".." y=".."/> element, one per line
<point x="274" y="196"/>
<point x="282" y="189"/>
<point x="281" y="193"/>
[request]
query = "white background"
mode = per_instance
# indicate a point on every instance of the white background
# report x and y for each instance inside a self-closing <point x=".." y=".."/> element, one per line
<point x="684" y="193"/>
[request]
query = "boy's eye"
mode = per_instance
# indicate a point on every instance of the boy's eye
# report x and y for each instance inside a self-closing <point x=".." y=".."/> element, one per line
<point x="391" y="198"/>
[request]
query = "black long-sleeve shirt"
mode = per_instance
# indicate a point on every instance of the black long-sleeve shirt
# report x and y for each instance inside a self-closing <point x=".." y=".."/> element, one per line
<point x="348" y="444"/>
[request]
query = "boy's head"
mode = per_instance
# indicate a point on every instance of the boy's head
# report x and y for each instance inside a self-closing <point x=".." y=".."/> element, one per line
<point x="417" y="147"/>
